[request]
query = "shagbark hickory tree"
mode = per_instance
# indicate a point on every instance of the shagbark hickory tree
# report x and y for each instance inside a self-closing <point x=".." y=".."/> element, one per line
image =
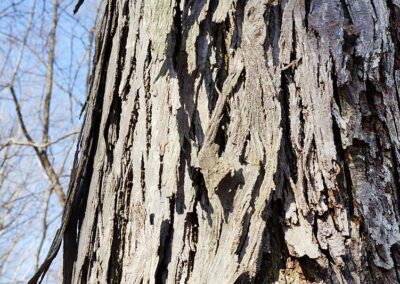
<point x="239" y="141"/>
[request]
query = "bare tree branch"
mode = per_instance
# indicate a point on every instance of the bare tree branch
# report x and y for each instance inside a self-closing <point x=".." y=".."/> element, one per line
<point x="42" y="155"/>
<point x="23" y="45"/>
<point x="77" y="6"/>
<point x="49" y="79"/>
<point x="44" y="227"/>
<point x="35" y="145"/>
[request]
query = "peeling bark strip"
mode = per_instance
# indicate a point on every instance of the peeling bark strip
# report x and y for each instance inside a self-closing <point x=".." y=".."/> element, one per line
<point x="241" y="141"/>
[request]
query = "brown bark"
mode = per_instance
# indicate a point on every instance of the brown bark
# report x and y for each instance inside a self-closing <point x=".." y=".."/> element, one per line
<point x="238" y="142"/>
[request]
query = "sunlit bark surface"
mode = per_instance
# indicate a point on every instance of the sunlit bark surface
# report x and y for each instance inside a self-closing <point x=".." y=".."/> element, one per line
<point x="240" y="142"/>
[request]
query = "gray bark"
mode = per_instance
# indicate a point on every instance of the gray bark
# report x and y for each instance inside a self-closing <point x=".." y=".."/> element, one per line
<point x="238" y="142"/>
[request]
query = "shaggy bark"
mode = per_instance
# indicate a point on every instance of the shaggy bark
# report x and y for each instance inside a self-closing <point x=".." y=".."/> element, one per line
<point x="240" y="141"/>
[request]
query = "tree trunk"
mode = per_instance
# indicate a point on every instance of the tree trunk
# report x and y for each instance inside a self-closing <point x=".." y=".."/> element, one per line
<point x="239" y="141"/>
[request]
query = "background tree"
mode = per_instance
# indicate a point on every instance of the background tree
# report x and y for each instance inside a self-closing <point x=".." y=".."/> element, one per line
<point x="237" y="142"/>
<point x="45" y="55"/>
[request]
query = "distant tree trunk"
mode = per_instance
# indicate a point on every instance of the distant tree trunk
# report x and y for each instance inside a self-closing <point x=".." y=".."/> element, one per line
<point x="241" y="141"/>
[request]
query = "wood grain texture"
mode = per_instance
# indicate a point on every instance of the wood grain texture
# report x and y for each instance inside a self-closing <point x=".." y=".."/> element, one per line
<point x="237" y="141"/>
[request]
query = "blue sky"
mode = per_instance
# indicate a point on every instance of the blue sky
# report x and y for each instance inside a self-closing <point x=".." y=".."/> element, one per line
<point x="23" y="193"/>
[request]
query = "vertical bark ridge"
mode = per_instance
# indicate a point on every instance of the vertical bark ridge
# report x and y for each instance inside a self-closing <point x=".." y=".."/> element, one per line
<point x="242" y="142"/>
